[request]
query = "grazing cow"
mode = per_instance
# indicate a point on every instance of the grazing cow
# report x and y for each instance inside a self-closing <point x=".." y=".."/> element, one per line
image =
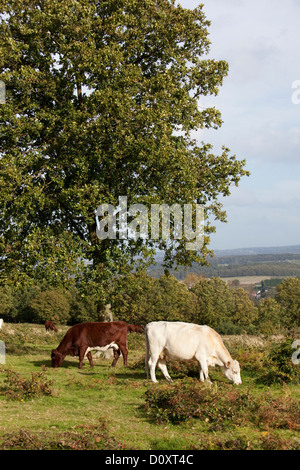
<point x="135" y="328"/>
<point x="110" y="349"/>
<point x="49" y="325"/>
<point x="84" y="337"/>
<point x="187" y="341"/>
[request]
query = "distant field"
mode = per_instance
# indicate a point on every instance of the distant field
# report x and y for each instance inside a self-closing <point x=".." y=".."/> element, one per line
<point x="264" y="266"/>
<point x="248" y="279"/>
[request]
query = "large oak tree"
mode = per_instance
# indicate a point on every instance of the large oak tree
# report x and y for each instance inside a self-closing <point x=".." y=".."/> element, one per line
<point x="101" y="101"/>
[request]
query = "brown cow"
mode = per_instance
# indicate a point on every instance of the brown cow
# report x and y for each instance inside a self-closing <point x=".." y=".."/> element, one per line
<point x="135" y="328"/>
<point x="87" y="336"/>
<point x="49" y="325"/>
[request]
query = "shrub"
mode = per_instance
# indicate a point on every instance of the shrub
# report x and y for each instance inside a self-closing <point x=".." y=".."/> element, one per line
<point x="23" y="297"/>
<point x="6" y="301"/>
<point x="230" y="328"/>
<point x="279" y="366"/>
<point x="217" y="406"/>
<point x="283" y="413"/>
<point x="19" y="388"/>
<point x="250" y="359"/>
<point x="288" y="295"/>
<point x="82" y="437"/>
<point x="269" y="316"/>
<point x="139" y="298"/>
<point x="215" y="300"/>
<point x="220" y="407"/>
<point x="268" y="441"/>
<point x="52" y="305"/>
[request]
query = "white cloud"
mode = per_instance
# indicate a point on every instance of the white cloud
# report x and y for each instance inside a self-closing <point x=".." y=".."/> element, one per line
<point x="284" y="194"/>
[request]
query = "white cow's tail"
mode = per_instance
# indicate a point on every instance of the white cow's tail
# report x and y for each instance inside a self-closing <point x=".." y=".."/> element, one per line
<point x="147" y="352"/>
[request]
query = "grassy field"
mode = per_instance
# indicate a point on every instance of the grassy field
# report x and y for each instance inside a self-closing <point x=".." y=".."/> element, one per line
<point x="105" y="408"/>
<point x="247" y="279"/>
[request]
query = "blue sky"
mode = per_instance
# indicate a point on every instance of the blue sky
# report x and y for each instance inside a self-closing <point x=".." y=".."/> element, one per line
<point x="260" y="39"/>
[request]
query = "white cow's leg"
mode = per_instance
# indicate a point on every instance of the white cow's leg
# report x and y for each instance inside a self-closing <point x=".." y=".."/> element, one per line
<point x="163" y="367"/>
<point x="152" y="364"/>
<point x="203" y="369"/>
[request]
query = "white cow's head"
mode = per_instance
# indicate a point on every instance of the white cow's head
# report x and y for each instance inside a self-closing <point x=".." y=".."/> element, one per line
<point x="232" y="372"/>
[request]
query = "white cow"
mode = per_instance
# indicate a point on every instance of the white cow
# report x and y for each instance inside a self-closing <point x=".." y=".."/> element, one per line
<point x="187" y="341"/>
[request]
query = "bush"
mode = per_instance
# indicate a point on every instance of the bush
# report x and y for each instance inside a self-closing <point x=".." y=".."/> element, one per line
<point x="269" y="441"/>
<point x="279" y="366"/>
<point x="269" y="318"/>
<point x="138" y="298"/>
<point x="82" y="437"/>
<point x="220" y="407"/>
<point x="6" y="301"/>
<point x="230" y="328"/>
<point x="229" y="311"/>
<point x="288" y="296"/>
<point x="215" y="300"/>
<point x="52" y="305"/>
<point x="19" y="388"/>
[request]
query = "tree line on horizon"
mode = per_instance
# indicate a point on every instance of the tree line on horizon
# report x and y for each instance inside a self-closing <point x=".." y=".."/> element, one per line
<point x="139" y="298"/>
<point x="282" y="265"/>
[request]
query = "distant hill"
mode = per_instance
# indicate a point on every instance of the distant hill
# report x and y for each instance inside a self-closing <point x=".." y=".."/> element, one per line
<point x="262" y="261"/>
<point x="274" y="250"/>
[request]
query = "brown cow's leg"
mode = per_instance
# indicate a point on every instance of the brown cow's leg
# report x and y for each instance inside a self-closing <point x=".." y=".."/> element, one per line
<point x="81" y="357"/>
<point x="116" y="356"/>
<point x="124" y="351"/>
<point x="90" y="358"/>
<point x="125" y="354"/>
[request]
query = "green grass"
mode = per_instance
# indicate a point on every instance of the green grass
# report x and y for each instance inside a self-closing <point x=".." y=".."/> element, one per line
<point x="105" y="408"/>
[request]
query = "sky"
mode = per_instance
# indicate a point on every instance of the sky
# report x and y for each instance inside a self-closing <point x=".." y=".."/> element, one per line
<point x="260" y="40"/>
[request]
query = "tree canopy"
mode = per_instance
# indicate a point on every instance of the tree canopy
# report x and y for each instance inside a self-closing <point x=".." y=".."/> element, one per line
<point x="101" y="100"/>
